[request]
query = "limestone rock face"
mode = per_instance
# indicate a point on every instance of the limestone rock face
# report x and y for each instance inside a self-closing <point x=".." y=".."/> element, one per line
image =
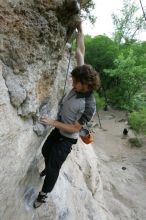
<point x="33" y="64"/>
<point x="78" y="191"/>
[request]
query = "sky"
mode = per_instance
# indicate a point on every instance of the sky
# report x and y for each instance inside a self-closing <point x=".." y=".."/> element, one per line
<point x="103" y="10"/>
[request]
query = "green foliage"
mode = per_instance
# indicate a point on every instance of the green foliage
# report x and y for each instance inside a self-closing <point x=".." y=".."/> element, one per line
<point x="137" y="120"/>
<point x="127" y="80"/>
<point x="100" y="52"/>
<point x="135" y="142"/>
<point x="86" y="10"/>
<point x="100" y="102"/>
<point x="122" y="65"/>
<point x="139" y="50"/>
<point x="127" y="23"/>
<point x="139" y="101"/>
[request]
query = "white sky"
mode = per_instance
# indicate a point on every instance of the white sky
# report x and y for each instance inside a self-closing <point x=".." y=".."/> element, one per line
<point x="103" y="10"/>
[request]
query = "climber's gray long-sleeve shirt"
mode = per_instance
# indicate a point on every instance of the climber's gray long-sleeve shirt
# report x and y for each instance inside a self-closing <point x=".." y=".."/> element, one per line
<point x="76" y="107"/>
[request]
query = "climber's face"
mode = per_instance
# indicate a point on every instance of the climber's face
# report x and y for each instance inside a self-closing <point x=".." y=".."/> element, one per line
<point x="78" y="86"/>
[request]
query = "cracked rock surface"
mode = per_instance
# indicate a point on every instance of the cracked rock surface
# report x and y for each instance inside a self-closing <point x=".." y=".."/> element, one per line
<point x="33" y="64"/>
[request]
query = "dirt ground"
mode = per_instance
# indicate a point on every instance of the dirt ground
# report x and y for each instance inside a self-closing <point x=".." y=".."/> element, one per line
<point x="123" y="166"/>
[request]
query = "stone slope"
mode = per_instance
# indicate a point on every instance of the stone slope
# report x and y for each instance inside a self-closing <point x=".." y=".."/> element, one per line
<point x="122" y="167"/>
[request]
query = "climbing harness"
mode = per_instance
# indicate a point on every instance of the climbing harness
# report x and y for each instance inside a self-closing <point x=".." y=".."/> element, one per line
<point x="86" y="136"/>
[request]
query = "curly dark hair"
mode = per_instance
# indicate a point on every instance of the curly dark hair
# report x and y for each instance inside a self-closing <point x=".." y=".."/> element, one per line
<point x="87" y="75"/>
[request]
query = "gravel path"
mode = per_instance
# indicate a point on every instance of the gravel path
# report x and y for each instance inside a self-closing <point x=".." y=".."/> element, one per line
<point x="123" y="168"/>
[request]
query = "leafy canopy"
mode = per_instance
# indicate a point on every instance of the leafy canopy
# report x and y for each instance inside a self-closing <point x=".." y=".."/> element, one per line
<point x="127" y="23"/>
<point x="100" y="52"/>
<point x="128" y="79"/>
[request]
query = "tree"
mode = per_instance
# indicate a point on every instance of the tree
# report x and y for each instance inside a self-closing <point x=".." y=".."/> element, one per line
<point x="87" y="7"/>
<point x="127" y="24"/>
<point x="128" y="79"/>
<point x="139" y="50"/>
<point x="101" y="51"/>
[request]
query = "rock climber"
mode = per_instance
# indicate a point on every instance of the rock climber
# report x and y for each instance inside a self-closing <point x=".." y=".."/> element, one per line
<point x="76" y="109"/>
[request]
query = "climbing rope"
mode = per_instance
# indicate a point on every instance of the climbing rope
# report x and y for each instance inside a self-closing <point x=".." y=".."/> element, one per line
<point x="99" y="118"/>
<point x="70" y="51"/>
<point x="142" y="10"/>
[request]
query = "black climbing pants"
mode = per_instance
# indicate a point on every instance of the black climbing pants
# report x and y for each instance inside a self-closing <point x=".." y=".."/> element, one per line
<point x="55" y="150"/>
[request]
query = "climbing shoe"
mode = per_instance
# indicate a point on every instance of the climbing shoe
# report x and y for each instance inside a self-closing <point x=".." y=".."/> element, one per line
<point x="43" y="173"/>
<point x="40" y="200"/>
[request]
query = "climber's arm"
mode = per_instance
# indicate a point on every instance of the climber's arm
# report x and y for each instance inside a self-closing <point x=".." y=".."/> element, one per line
<point x="71" y="128"/>
<point x="80" y="47"/>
